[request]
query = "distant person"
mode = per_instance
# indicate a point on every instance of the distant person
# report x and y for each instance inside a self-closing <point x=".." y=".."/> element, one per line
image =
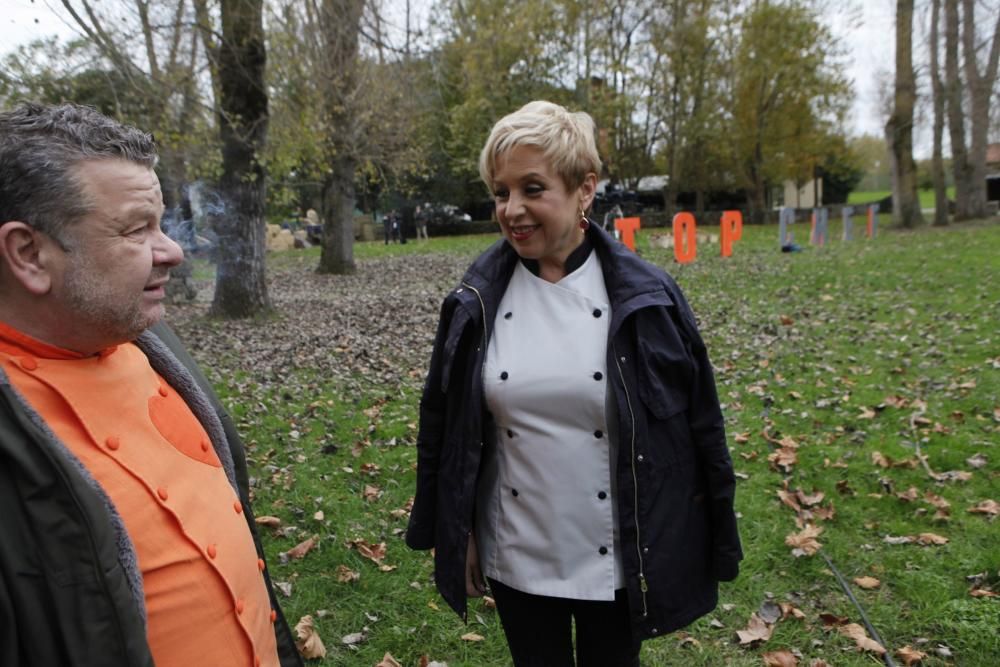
<point x="390" y="224"/>
<point x="571" y="450"/>
<point x="127" y="534"/>
<point x="421" y="215"/>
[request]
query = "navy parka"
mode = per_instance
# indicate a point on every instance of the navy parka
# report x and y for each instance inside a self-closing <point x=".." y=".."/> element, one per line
<point x="675" y="477"/>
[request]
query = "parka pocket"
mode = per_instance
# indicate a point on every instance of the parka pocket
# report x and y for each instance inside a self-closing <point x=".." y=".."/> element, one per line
<point x="664" y="381"/>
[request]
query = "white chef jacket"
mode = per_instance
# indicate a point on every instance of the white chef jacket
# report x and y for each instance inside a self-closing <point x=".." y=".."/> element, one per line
<point x="546" y="506"/>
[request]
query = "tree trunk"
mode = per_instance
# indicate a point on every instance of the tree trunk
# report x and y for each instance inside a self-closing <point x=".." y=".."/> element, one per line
<point x="899" y="129"/>
<point x="240" y="284"/>
<point x="341" y="24"/>
<point x="937" y="91"/>
<point x="956" y="117"/>
<point x="980" y="92"/>
<point x="339" y="198"/>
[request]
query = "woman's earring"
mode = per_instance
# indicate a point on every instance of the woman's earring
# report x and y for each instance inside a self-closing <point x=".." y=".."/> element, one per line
<point x="584" y="223"/>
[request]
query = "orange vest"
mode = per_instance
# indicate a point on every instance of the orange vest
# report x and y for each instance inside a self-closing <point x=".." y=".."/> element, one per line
<point x="206" y="599"/>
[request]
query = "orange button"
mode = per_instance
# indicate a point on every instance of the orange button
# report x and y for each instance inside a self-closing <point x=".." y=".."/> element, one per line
<point x="211" y="551"/>
<point x="163" y="391"/>
<point x="29" y="363"/>
<point x="239" y="606"/>
<point x="162" y="493"/>
<point x="113" y="442"/>
<point x="274" y="616"/>
<point x="260" y="564"/>
<point x="237" y="507"/>
<point x="205" y="444"/>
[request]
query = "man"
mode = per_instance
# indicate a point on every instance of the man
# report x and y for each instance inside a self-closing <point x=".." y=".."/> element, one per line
<point x="127" y="536"/>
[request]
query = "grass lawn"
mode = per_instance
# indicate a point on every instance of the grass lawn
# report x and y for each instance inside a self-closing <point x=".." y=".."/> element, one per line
<point x="926" y="197"/>
<point x="838" y="368"/>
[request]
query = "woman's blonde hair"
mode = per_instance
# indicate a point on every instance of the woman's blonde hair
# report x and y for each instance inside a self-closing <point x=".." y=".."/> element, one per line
<point x="565" y="138"/>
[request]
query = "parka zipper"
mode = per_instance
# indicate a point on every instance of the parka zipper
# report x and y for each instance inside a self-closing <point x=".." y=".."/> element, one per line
<point x="635" y="487"/>
<point x="482" y="304"/>
<point x="482" y="374"/>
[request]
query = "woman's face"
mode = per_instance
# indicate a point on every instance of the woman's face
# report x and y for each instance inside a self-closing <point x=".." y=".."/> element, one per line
<point x="538" y="215"/>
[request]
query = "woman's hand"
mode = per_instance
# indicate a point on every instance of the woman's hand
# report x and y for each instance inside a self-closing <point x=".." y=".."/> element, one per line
<point x="475" y="586"/>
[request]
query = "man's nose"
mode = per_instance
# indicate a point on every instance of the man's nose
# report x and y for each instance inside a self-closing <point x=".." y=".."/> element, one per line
<point x="167" y="251"/>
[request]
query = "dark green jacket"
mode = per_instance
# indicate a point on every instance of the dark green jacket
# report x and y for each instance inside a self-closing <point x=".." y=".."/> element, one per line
<point x="70" y="587"/>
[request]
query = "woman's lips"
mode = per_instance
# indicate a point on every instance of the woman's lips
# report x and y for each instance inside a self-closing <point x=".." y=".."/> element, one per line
<point x="522" y="232"/>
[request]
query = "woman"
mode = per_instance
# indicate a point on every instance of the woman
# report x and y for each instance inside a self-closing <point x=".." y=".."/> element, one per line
<point x="571" y="445"/>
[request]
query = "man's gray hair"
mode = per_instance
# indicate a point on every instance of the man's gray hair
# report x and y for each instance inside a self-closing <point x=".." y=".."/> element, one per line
<point x="40" y="147"/>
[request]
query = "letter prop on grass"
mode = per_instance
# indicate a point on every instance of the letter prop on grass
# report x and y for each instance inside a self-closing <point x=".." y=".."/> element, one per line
<point x="684" y="229"/>
<point x="785" y="218"/>
<point x="732" y="230"/>
<point x="872" y="220"/>
<point x="628" y="227"/>
<point x="820" y="224"/>
<point x="846" y="213"/>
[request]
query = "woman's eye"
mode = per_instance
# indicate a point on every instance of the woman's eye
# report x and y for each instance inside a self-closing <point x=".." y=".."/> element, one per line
<point x="533" y="189"/>
<point x="501" y="194"/>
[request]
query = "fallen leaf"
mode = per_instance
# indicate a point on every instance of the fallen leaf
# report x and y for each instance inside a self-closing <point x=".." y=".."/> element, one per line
<point x="804" y="543"/>
<point x="769" y="612"/>
<point x="989" y="507"/>
<point x="371" y="493"/>
<point x="928" y="539"/>
<point x="861" y="638"/>
<point x="742" y="438"/>
<point x="788" y="609"/>
<point x="909" y="495"/>
<point x="780" y="659"/>
<point x="388" y="661"/>
<point x="783" y="458"/>
<point x="268" y="521"/>
<point x="302" y="548"/>
<point x="977" y="461"/>
<point x="756" y="631"/>
<point x="880" y="460"/>
<point x="983" y="593"/>
<point x="346" y="575"/>
<point x="867" y="583"/>
<point x="910" y="656"/>
<point x="309" y="643"/>
<point x="472" y="637"/>
<point x="319" y="516"/>
<point x="373" y="552"/>
<point x="866" y="413"/>
<point x="786" y="320"/>
<point x="354" y="638"/>
<point x="832" y="620"/>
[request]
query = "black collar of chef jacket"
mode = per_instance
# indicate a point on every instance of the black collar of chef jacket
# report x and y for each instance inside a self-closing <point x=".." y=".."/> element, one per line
<point x="573" y="262"/>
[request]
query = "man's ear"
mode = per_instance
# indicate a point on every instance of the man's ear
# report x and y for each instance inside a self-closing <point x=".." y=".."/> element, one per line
<point x="22" y="255"/>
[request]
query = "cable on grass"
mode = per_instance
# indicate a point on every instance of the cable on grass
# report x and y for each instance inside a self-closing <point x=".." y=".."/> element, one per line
<point x="864" y="618"/>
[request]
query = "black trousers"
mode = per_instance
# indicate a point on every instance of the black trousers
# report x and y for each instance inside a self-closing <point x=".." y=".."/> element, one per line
<point x="539" y="630"/>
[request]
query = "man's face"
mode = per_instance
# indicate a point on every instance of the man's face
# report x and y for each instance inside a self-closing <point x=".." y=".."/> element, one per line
<point x="112" y="277"/>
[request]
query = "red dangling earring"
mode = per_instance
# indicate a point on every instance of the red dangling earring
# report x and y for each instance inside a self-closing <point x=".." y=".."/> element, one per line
<point x="584" y="223"/>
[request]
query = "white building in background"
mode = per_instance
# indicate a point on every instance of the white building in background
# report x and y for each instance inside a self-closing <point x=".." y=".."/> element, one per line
<point x="809" y="195"/>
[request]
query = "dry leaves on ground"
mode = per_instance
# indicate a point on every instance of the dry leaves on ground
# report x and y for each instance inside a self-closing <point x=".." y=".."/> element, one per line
<point x="373" y="552"/>
<point x="757" y="631"/>
<point x="346" y="575"/>
<point x="780" y="659"/>
<point x="472" y="637"/>
<point x="804" y="543"/>
<point x="388" y="661"/>
<point x="309" y="643"/>
<point x="910" y="656"/>
<point x="867" y="583"/>
<point x="988" y="507"/>
<point x="861" y="638"/>
<point x="300" y="550"/>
